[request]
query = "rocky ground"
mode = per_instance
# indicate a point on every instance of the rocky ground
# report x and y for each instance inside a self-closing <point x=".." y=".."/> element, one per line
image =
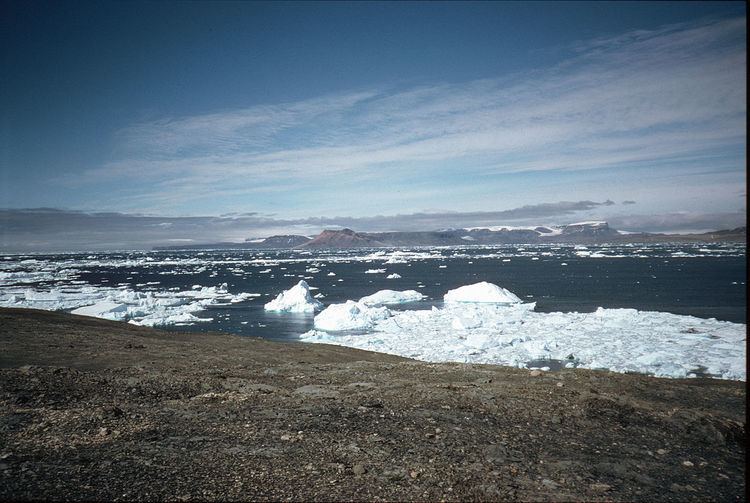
<point x="93" y="410"/>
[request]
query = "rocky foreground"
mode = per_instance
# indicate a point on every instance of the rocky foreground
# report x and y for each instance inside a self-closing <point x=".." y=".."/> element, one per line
<point x="93" y="410"/>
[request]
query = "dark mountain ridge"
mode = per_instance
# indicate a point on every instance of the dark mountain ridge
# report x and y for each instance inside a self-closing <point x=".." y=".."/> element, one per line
<point x="576" y="233"/>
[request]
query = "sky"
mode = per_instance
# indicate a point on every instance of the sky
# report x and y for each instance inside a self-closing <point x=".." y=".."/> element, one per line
<point x="134" y="124"/>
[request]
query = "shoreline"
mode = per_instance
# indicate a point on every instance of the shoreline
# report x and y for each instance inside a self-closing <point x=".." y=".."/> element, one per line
<point x="95" y="409"/>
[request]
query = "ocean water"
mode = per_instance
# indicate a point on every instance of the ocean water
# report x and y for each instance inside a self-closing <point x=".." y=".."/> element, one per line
<point x="703" y="280"/>
<point x="667" y="310"/>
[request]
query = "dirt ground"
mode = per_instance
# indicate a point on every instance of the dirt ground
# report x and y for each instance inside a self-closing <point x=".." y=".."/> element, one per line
<point x="98" y="410"/>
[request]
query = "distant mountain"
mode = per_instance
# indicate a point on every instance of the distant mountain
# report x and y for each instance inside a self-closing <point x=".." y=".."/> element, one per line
<point x="576" y="233"/>
<point x="573" y="233"/>
<point x="345" y="238"/>
<point x="282" y="241"/>
<point x="272" y="242"/>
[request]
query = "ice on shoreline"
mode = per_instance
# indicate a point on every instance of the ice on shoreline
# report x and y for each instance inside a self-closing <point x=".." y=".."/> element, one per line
<point x="620" y="340"/>
<point x="295" y="300"/>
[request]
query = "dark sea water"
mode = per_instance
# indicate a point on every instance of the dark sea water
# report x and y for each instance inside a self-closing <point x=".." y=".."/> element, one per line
<point x="706" y="281"/>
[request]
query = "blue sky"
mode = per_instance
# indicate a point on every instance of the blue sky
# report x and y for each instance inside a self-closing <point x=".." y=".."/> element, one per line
<point x="296" y="110"/>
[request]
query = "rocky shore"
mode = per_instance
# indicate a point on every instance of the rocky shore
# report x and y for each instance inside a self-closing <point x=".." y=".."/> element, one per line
<point x="98" y="410"/>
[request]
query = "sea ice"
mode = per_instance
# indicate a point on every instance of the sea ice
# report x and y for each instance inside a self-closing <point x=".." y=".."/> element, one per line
<point x="394" y="275"/>
<point x="620" y="340"/>
<point x="385" y="297"/>
<point x="481" y="292"/>
<point x="295" y="300"/>
<point x="104" y="309"/>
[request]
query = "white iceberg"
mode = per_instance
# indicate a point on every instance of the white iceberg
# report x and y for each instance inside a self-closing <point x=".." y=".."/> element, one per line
<point x="375" y="271"/>
<point x="104" y="309"/>
<point x="481" y="292"/>
<point x="394" y="275"/>
<point x="350" y="316"/>
<point x="385" y="297"/>
<point x="295" y="300"/>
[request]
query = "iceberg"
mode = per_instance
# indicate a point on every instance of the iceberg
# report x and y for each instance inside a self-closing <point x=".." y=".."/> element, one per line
<point x="384" y="297"/>
<point x="350" y="316"/>
<point x="104" y="309"/>
<point x="295" y="300"/>
<point x="481" y="292"/>
<point x="394" y="275"/>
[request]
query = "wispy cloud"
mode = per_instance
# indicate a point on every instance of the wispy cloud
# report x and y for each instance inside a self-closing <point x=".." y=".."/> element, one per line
<point x="665" y="98"/>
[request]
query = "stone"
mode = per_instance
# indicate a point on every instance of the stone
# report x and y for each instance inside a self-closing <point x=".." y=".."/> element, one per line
<point x="359" y="469"/>
<point x="549" y="484"/>
<point x="600" y="487"/>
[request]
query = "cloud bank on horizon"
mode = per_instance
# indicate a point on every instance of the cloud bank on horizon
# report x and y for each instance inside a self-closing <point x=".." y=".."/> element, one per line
<point x="653" y="116"/>
<point x="50" y="229"/>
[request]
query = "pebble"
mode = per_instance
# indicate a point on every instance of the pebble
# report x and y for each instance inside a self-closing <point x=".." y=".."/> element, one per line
<point x="549" y="484"/>
<point x="359" y="469"/>
<point x="103" y="432"/>
<point x="535" y="373"/>
<point x="599" y="487"/>
<point x="414" y="474"/>
<point x="661" y="452"/>
<point x="677" y="488"/>
<point x="687" y="463"/>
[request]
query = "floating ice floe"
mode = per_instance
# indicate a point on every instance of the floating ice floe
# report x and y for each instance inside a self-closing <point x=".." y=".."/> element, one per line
<point x="481" y="292"/>
<point x="350" y="316"/>
<point x="386" y="297"/>
<point x="620" y="340"/>
<point x="375" y="271"/>
<point x="295" y="300"/>
<point x="394" y="275"/>
<point x="122" y="304"/>
<point x="104" y="309"/>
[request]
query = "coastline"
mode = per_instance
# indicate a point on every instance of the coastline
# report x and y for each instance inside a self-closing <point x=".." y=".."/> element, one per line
<point x="93" y="409"/>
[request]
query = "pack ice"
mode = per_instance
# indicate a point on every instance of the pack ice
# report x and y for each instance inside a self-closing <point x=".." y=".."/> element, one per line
<point x="122" y="304"/>
<point x="491" y="325"/>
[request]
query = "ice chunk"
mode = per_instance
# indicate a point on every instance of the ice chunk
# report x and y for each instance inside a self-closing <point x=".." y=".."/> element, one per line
<point x="350" y="316"/>
<point x="375" y="271"/>
<point x="481" y="292"/>
<point x="395" y="275"/>
<point x="384" y="297"/>
<point x="295" y="300"/>
<point x="105" y="309"/>
<point x="462" y="322"/>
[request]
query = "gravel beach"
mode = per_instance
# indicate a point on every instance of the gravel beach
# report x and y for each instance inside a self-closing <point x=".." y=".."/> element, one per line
<point x="99" y="410"/>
